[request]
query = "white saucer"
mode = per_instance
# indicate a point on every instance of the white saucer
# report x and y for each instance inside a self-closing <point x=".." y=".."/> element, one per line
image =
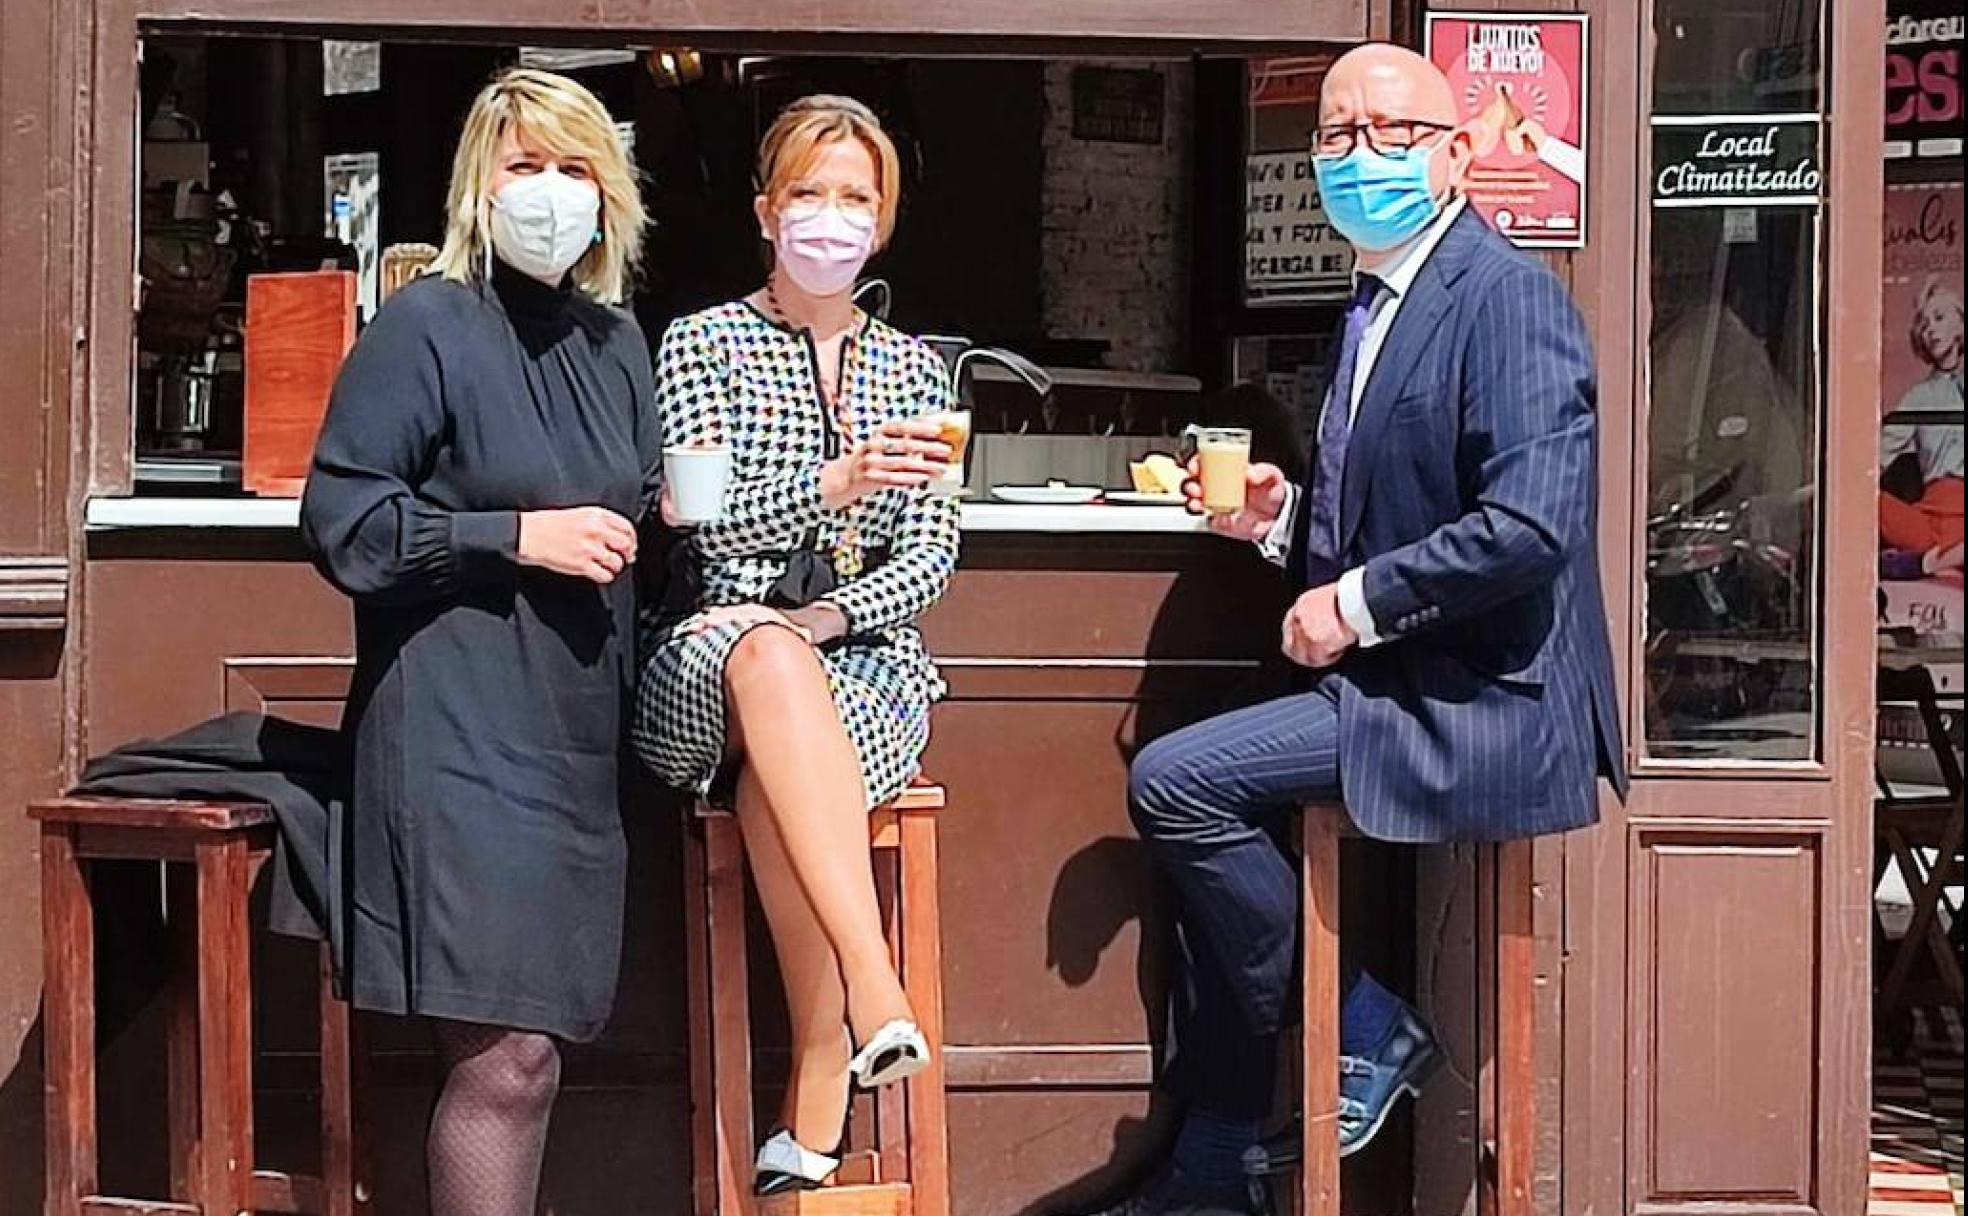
<point x="1140" y="498"/>
<point x="1046" y="496"/>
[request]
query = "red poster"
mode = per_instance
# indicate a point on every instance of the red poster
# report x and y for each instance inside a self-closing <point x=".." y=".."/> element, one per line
<point x="1520" y="83"/>
<point x="1920" y="440"/>
<point x="1923" y="280"/>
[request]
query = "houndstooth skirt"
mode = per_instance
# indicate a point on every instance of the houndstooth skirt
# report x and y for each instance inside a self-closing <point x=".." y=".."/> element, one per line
<point x="883" y="688"/>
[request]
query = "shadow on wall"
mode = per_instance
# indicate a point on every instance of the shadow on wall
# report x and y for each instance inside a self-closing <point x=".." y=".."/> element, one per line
<point x="1113" y="882"/>
<point x="1083" y="920"/>
<point x="20" y="1129"/>
<point x="1213" y="648"/>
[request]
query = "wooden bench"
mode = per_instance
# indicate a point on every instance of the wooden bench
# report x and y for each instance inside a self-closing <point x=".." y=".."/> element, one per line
<point x="214" y="851"/>
<point x="908" y="1173"/>
<point x="1506" y="965"/>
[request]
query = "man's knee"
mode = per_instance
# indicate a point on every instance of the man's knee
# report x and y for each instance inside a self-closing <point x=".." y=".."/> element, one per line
<point x="1165" y="797"/>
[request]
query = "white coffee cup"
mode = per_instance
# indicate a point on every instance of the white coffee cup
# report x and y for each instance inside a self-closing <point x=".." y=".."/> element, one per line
<point x="697" y="478"/>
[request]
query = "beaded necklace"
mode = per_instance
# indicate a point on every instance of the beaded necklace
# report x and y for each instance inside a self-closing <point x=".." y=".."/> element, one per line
<point x="847" y="555"/>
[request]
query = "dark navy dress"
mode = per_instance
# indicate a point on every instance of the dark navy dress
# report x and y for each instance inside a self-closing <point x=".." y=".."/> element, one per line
<point x="479" y="875"/>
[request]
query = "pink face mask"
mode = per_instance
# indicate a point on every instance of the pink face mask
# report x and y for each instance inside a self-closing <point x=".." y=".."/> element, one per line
<point x="824" y="248"/>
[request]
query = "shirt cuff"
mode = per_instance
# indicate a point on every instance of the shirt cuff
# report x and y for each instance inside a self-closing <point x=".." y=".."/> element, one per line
<point x="484" y="544"/>
<point x="1275" y="545"/>
<point x="1353" y="606"/>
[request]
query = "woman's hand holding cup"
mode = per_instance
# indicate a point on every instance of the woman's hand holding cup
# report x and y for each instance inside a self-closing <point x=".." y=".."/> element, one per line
<point x="593" y="543"/>
<point x="696" y="477"/>
<point x="1265" y="490"/>
<point x="903" y="454"/>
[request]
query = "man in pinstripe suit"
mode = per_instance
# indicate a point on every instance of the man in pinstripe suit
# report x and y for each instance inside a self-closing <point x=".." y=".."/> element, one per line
<point x="1451" y="621"/>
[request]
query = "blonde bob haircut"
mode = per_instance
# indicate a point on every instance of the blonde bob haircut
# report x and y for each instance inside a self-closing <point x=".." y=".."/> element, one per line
<point x="1934" y="291"/>
<point x="808" y="125"/>
<point x="566" y="121"/>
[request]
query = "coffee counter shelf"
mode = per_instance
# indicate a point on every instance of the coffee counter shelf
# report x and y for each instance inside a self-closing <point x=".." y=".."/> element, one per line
<point x="149" y="514"/>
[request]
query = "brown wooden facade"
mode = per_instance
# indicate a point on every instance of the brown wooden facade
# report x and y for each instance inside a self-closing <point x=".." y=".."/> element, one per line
<point x="1725" y="899"/>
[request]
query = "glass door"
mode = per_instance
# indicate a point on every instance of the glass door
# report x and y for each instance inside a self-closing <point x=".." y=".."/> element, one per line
<point x="1735" y="363"/>
<point x="1742" y="1046"/>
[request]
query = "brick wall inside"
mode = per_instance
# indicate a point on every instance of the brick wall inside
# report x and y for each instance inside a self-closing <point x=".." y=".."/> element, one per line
<point x="1115" y="230"/>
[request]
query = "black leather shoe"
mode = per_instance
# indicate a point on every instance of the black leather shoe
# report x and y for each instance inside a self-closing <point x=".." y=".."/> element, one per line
<point x="1271" y="1158"/>
<point x="1369" y="1086"/>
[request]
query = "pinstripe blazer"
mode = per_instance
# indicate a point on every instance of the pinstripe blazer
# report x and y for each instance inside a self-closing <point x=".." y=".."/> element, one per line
<point x="1470" y="498"/>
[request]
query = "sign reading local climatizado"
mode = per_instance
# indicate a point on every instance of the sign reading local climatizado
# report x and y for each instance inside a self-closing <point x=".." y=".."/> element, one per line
<point x="1734" y="160"/>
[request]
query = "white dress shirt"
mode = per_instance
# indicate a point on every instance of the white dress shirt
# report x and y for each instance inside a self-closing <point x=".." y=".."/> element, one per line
<point x="1397" y="276"/>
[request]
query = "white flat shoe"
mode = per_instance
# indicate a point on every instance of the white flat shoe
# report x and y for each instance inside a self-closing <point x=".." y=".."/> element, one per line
<point x="784" y="1164"/>
<point x="897" y="1052"/>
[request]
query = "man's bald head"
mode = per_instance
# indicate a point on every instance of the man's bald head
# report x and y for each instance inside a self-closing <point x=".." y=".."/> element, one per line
<point x="1382" y="82"/>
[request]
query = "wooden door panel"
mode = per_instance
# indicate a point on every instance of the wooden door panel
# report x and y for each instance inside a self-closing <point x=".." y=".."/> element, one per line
<point x="1726" y="966"/>
<point x="1046" y="1150"/>
<point x="171" y="641"/>
<point x="310" y="690"/>
<point x="1068" y="967"/>
<point x="1707" y="801"/>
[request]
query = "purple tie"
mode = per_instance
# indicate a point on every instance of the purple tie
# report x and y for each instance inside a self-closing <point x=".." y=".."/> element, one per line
<point x="1336" y="426"/>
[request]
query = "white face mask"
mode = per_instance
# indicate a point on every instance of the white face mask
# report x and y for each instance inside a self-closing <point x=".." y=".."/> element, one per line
<point x="824" y="248"/>
<point x="543" y="223"/>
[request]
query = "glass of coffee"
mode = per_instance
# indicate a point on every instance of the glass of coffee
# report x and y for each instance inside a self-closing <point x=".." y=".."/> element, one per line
<point x="1223" y="456"/>
<point x="953" y="431"/>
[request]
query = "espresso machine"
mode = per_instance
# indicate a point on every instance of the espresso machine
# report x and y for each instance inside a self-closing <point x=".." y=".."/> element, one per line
<point x="190" y="378"/>
<point x="190" y="375"/>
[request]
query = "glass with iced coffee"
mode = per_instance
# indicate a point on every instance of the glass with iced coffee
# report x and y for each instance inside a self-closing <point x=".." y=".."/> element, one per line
<point x="1223" y="464"/>
<point x="953" y="431"/>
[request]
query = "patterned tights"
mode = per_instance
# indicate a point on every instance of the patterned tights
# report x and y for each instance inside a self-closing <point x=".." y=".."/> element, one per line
<point x="489" y="1131"/>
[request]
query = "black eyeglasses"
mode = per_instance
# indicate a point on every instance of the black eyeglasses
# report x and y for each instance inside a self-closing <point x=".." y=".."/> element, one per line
<point x="1388" y="137"/>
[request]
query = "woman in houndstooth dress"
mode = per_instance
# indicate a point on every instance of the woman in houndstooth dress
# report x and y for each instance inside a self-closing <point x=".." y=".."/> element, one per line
<point x="737" y="366"/>
<point x="783" y="674"/>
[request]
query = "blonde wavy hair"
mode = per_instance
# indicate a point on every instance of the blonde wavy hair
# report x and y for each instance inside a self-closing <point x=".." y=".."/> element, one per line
<point x="803" y="128"/>
<point x="566" y="120"/>
<point x="1921" y="333"/>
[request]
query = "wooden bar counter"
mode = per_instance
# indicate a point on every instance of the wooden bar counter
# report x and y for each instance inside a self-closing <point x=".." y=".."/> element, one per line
<point x="1069" y="637"/>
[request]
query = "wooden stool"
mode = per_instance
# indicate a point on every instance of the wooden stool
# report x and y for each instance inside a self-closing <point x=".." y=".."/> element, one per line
<point x="1506" y="961"/>
<point x="209" y="1016"/>
<point x="909" y="1173"/>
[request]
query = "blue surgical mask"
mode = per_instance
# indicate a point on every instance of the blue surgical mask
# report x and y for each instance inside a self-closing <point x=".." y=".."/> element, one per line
<point x="1377" y="202"/>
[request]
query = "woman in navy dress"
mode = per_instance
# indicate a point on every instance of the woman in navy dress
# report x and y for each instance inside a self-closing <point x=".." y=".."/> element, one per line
<point x="487" y="456"/>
